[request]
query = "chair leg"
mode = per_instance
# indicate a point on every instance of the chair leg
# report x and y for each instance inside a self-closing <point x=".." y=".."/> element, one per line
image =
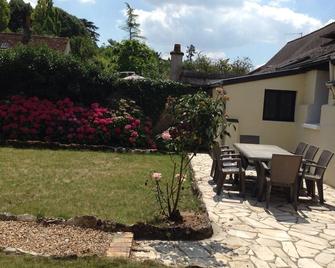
<point x="216" y="172"/>
<point x="294" y="196"/>
<point x="220" y="182"/>
<point x="242" y="185"/>
<point x="319" y="184"/>
<point x="213" y="169"/>
<point x="268" y="194"/>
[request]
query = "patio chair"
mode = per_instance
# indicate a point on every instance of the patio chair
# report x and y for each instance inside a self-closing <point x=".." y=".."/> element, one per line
<point x="300" y="148"/>
<point x="314" y="171"/>
<point x="284" y="172"/>
<point x="220" y="153"/>
<point x="230" y="166"/>
<point x="309" y="155"/>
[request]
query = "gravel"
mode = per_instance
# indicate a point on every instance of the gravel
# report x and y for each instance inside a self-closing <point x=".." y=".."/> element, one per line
<point x="53" y="240"/>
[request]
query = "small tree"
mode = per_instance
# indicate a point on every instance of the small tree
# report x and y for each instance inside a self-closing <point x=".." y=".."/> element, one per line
<point x="197" y="121"/>
<point x="132" y="27"/>
<point x="46" y="18"/>
<point x="4" y="15"/>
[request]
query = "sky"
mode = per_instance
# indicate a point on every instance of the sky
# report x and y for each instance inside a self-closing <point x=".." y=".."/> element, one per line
<point x="218" y="28"/>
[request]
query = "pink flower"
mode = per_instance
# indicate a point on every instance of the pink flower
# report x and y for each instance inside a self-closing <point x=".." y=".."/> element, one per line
<point x="156" y="176"/>
<point x="134" y="134"/>
<point x="127" y="127"/>
<point x="166" y="135"/>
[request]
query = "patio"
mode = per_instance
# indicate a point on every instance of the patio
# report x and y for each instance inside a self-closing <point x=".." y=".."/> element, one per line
<point x="247" y="235"/>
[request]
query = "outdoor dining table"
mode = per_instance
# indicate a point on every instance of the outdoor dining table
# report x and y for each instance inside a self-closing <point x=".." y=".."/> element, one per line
<point x="259" y="153"/>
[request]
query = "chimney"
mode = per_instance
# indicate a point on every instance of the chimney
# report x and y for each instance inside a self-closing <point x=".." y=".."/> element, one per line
<point x="176" y="62"/>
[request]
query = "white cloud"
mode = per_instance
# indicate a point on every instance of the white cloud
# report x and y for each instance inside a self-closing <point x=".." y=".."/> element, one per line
<point x="214" y="26"/>
<point x="34" y="2"/>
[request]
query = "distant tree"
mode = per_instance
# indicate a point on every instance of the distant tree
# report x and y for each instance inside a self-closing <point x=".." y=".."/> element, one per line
<point x="241" y="66"/>
<point x="4" y="15"/>
<point x="111" y="42"/>
<point x="131" y="26"/>
<point x="70" y="25"/>
<point x="19" y="13"/>
<point x="91" y="29"/>
<point x="190" y="52"/>
<point x="205" y="64"/>
<point x="131" y="55"/>
<point x="83" y="47"/>
<point x="46" y="18"/>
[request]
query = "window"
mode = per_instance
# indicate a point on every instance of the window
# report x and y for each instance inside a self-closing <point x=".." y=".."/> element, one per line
<point x="279" y="105"/>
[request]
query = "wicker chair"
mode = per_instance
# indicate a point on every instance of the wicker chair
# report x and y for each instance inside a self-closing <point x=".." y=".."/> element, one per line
<point x="230" y="166"/>
<point x="218" y="153"/>
<point x="309" y="155"/>
<point x="313" y="172"/>
<point x="284" y="172"/>
<point x="300" y="148"/>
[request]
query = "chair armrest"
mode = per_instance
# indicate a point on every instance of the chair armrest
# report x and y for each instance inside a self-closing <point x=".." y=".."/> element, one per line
<point x="314" y="165"/>
<point x="264" y="166"/>
<point x="305" y="161"/>
<point x="224" y="147"/>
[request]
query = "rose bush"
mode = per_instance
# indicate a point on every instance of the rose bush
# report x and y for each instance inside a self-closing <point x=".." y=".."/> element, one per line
<point x="63" y="121"/>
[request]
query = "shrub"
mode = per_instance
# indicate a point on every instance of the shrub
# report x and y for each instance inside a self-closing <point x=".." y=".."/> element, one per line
<point x="62" y="121"/>
<point x="44" y="73"/>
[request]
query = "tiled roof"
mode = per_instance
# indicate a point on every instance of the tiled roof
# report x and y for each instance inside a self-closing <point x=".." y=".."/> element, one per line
<point x="307" y="50"/>
<point x="9" y="40"/>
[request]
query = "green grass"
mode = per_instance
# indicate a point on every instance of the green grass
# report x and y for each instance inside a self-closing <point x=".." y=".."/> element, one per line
<point x="69" y="183"/>
<point x="11" y="261"/>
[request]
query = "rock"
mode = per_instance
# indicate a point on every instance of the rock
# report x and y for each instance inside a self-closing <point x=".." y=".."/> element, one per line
<point x="26" y="217"/>
<point x="84" y="221"/>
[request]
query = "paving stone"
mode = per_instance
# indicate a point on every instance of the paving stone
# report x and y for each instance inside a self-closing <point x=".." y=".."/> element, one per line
<point x="280" y="253"/>
<point x="268" y="242"/>
<point x="324" y="258"/>
<point x="307" y="252"/>
<point x="308" y="263"/>
<point x="278" y="235"/>
<point x="274" y="224"/>
<point x="241" y="264"/>
<point x="242" y="234"/>
<point x="280" y="263"/>
<point x="259" y="263"/>
<point x="309" y="238"/>
<point x="310" y="245"/>
<point x="263" y="253"/>
<point x="235" y="241"/>
<point x="290" y="249"/>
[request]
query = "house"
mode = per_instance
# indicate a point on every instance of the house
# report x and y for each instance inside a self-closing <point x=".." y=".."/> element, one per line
<point x="61" y="44"/>
<point x="289" y="99"/>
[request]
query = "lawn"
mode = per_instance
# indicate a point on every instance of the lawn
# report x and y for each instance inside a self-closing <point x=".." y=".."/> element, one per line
<point x="7" y="261"/>
<point x="61" y="183"/>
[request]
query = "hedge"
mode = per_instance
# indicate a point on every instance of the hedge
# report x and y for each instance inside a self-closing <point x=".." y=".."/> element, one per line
<point x="45" y="73"/>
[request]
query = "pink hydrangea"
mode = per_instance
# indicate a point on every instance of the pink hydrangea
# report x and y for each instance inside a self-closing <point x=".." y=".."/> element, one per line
<point x="166" y="135"/>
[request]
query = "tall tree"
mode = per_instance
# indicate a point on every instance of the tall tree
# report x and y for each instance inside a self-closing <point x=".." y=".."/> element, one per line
<point x="70" y="25"/>
<point x="190" y="52"/>
<point x="4" y="15"/>
<point x="91" y="28"/>
<point x="19" y="13"/>
<point x="46" y="18"/>
<point x="131" y="26"/>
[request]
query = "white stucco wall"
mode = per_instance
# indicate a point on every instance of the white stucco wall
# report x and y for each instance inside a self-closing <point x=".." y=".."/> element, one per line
<point x="246" y="105"/>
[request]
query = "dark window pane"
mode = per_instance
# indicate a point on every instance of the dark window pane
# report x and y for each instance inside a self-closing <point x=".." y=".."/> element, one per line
<point x="279" y="105"/>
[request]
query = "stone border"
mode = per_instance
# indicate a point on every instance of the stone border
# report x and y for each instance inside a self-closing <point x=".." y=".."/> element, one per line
<point x="73" y="146"/>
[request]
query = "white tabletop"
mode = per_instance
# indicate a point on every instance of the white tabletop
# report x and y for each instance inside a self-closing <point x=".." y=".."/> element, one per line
<point x="259" y="152"/>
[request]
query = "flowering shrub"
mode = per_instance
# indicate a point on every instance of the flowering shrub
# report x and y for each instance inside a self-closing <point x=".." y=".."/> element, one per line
<point x="197" y="121"/>
<point x="31" y="118"/>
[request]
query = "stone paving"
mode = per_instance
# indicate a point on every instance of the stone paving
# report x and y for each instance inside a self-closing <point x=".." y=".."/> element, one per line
<point x="247" y="235"/>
